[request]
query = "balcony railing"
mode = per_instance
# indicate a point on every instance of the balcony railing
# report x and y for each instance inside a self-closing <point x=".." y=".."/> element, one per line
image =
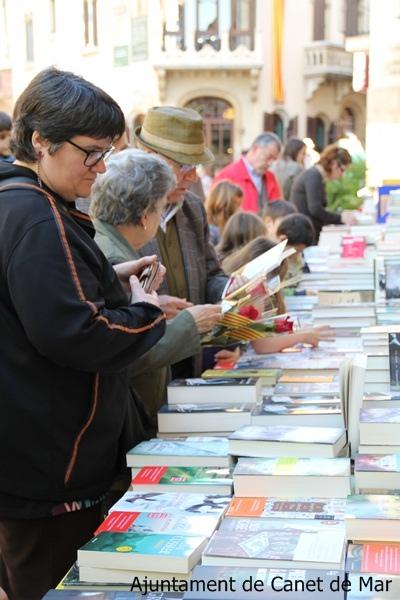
<point x="323" y="59"/>
<point x="201" y="53"/>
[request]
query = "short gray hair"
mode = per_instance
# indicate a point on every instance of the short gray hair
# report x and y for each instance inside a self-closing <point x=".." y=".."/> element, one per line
<point x="266" y="138"/>
<point x="135" y="181"/>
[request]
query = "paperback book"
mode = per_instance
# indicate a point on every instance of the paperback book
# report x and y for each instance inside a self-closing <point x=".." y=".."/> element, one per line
<point x="186" y="479"/>
<point x="373" y="518"/>
<point x="257" y="441"/>
<point x="192" y="451"/>
<point x="289" y="476"/>
<point x="377" y="471"/>
<point x="135" y="551"/>
<point x="379" y="558"/>
<point x="206" y="391"/>
<point x="182" y="418"/>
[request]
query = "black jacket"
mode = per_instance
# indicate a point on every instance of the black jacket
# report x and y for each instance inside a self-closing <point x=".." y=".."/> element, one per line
<point x="309" y="196"/>
<point x="67" y="334"/>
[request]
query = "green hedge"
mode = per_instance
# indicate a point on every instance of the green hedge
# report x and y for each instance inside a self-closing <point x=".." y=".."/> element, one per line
<point x="342" y="193"/>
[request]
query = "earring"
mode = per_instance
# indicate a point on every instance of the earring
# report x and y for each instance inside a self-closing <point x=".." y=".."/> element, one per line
<point x="39" y="156"/>
<point x="145" y="227"/>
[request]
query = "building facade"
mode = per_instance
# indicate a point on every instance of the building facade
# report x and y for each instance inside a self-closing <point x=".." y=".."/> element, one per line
<point x="246" y="65"/>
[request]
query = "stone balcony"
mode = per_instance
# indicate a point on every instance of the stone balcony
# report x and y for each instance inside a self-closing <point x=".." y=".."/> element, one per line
<point x="325" y="61"/>
<point x="208" y="58"/>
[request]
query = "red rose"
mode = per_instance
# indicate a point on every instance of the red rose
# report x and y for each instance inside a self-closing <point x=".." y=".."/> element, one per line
<point x="284" y="325"/>
<point x="250" y="312"/>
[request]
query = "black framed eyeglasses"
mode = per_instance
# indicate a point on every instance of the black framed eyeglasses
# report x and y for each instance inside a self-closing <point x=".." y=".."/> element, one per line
<point x="93" y="156"/>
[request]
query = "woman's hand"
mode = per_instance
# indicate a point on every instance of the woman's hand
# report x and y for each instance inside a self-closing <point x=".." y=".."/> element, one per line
<point x="318" y="334"/>
<point x="205" y="316"/>
<point x="139" y="295"/>
<point x="349" y="217"/>
<point x="132" y="267"/>
<point x="172" y="305"/>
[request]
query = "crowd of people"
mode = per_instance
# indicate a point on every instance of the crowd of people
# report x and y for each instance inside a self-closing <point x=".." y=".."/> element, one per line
<point x="85" y="352"/>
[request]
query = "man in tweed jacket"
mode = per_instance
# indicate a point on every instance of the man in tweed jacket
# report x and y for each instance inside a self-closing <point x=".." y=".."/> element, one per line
<point x="194" y="275"/>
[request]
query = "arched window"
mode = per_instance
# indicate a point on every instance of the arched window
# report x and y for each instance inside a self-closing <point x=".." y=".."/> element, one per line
<point x="274" y="122"/>
<point x="218" y="116"/>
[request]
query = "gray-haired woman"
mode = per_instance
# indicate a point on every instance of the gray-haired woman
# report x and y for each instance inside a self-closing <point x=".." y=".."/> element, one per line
<point x="127" y="203"/>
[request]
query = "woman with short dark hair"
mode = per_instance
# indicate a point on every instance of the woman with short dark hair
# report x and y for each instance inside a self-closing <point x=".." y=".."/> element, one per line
<point x="69" y="332"/>
<point x="308" y="191"/>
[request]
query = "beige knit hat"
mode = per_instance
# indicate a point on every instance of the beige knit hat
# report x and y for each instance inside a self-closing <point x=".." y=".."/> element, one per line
<point x="176" y="133"/>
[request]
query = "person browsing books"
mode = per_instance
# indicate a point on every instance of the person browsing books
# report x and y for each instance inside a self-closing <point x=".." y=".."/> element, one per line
<point x="194" y="275"/>
<point x="127" y="203"/>
<point x="308" y="189"/>
<point x="71" y="325"/>
<point x="252" y="173"/>
<point x="276" y="343"/>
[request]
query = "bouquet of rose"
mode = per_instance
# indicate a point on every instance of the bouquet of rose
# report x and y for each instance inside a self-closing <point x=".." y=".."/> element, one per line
<point x="245" y="324"/>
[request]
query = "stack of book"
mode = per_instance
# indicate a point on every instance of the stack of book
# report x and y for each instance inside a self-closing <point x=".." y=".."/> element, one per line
<point x="151" y="535"/>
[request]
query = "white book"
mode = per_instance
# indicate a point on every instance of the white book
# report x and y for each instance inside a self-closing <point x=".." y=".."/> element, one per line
<point x="189" y="452"/>
<point x="380" y="426"/>
<point x="208" y="391"/>
<point x="258" y="441"/>
<point x="203" y="417"/>
<point x="289" y="477"/>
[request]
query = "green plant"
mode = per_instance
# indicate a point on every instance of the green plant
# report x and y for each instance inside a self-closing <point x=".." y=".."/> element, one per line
<point x="342" y="193"/>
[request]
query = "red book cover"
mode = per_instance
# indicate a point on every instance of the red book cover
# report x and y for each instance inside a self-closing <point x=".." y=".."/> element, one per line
<point x="118" y="521"/>
<point x="381" y="558"/>
<point x="149" y="475"/>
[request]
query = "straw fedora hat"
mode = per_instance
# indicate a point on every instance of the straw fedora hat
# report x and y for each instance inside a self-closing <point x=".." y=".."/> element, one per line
<point x="176" y="133"/>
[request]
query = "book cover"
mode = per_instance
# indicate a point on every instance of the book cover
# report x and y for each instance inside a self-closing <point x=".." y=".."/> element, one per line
<point x="182" y="475"/>
<point x="172" y="502"/>
<point x="157" y="522"/>
<point x="250" y="525"/>
<point x="284" y="508"/>
<point x="304" y="467"/>
<point x="381" y="558"/>
<point x="212" y="446"/>
<point x="138" y="551"/>
<point x="380" y="415"/>
<point x="388" y="463"/>
<point x="313" y="546"/>
<point x="309" y="435"/>
<point x="362" y="506"/>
